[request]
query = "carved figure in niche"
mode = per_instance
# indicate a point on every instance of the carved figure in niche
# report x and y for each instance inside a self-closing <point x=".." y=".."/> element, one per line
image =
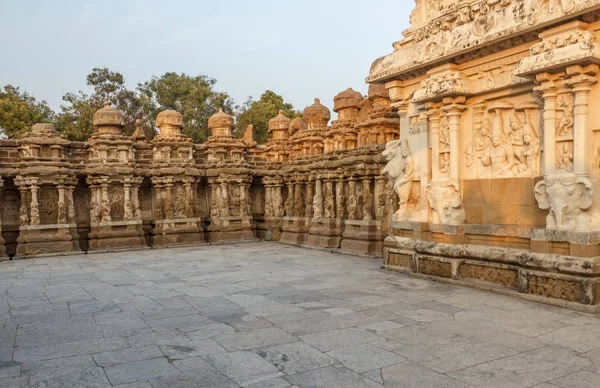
<point x="565" y="157"/>
<point x="367" y="198"/>
<point x="565" y="125"/>
<point x="269" y="209"/>
<point x="329" y="202"/>
<point x="179" y="202"/>
<point x="400" y="169"/>
<point x="567" y="197"/>
<point x="515" y="137"/>
<point x="445" y="163"/>
<point x="530" y="156"/>
<point x="214" y="202"/>
<point x="444" y="133"/>
<point x="501" y="157"/>
<point x="482" y="141"/>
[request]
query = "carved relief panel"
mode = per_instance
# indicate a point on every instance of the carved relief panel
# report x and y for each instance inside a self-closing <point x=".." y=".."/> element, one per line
<point x="10" y="207"/>
<point x="48" y="204"/>
<point x="117" y="200"/>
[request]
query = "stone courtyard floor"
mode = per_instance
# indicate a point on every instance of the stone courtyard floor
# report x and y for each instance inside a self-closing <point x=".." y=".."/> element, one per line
<point x="266" y="315"/>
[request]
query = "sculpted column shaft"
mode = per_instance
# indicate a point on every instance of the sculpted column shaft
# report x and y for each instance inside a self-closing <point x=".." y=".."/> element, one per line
<point x="380" y="198"/>
<point x="269" y="204"/>
<point x="549" y="89"/>
<point x="224" y="200"/>
<point x="352" y="200"/>
<point x="94" y="204"/>
<point x="189" y="198"/>
<point x="318" y="200"/>
<point x="215" y="201"/>
<point x="434" y="129"/>
<point x="106" y="216"/>
<point x="158" y="206"/>
<point x="34" y="206"/>
<point x="454" y="110"/>
<point x="24" y="210"/>
<point x="329" y="200"/>
<point x="308" y="211"/>
<point x="62" y="206"/>
<point x="168" y="200"/>
<point x="136" y="202"/>
<point x="340" y="199"/>
<point x="278" y="200"/>
<point x="404" y="122"/>
<point x="244" y="199"/>
<point x="298" y="206"/>
<point x="289" y="203"/>
<point x="581" y="80"/>
<point x="367" y="200"/>
<point x="128" y="206"/>
<point x="71" y="205"/>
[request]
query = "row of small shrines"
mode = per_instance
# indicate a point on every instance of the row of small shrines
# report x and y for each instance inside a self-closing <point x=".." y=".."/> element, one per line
<point x="120" y="192"/>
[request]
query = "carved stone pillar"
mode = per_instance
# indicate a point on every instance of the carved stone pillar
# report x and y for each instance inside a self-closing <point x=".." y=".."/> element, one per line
<point x="581" y="80"/>
<point x="402" y="107"/>
<point x="289" y="201"/>
<point x="549" y="85"/>
<point x="298" y="205"/>
<point x="70" y="205"/>
<point x="433" y="112"/>
<point x="352" y="200"/>
<point x="318" y="200"/>
<point x="380" y="198"/>
<point x="329" y="199"/>
<point x="224" y="207"/>
<point x="454" y="107"/>
<point x="62" y="205"/>
<point x="244" y="187"/>
<point x="340" y="199"/>
<point x="128" y="205"/>
<point x="308" y="208"/>
<point x="24" y="209"/>
<point x="158" y="200"/>
<point x="106" y="216"/>
<point x="34" y="206"/>
<point x="189" y="199"/>
<point x="269" y="205"/>
<point x="278" y="200"/>
<point x="215" y="201"/>
<point x="137" y="211"/>
<point x="367" y="200"/>
<point x="168" y="200"/>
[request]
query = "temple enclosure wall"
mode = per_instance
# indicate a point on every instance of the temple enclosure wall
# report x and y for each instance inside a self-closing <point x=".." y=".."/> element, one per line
<point x="475" y="159"/>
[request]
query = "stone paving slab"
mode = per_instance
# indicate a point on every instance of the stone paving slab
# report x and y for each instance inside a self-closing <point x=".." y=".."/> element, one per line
<point x="265" y="315"/>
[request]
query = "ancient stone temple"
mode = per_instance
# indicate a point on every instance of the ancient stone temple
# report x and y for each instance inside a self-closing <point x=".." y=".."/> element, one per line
<point x="497" y="162"/>
<point x="474" y="159"/>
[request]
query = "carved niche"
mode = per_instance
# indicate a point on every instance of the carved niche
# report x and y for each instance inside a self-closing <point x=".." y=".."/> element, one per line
<point x="48" y="204"/>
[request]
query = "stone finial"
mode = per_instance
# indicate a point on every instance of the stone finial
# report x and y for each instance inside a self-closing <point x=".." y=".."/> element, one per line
<point x="279" y="123"/>
<point x="317" y="115"/>
<point x="43" y="130"/>
<point x="108" y="117"/>
<point x="349" y="98"/>
<point x="220" y="124"/>
<point x="169" y="122"/>
<point x="248" y="138"/>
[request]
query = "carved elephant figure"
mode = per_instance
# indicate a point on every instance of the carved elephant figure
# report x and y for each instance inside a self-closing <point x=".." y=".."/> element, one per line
<point x="446" y="203"/>
<point x="567" y="197"/>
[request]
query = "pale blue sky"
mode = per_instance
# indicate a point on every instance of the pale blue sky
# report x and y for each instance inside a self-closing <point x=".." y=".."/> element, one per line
<point x="300" y="49"/>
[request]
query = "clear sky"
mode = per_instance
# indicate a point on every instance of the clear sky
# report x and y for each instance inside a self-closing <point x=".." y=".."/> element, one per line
<point x="300" y="49"/>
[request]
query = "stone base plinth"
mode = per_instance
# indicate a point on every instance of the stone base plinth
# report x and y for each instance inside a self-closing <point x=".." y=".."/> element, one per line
<point x="325" y="233"/>
<point x="223" y="229"/>
<point x="177" y="232"/>
<point x="295" y="230"/>
<point x="558" y="279"/>
<point x="363" y="238"/>
<point x="268" y="229"/>
<point x="47" y="239"/>
<point x="116" y="236"/>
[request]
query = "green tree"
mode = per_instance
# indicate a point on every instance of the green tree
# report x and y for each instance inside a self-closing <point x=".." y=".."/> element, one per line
<point x="259" y="112"/>
<point x="19" y="111"/>
<point x="77" y="114"/>
<point x="192" y="96"/>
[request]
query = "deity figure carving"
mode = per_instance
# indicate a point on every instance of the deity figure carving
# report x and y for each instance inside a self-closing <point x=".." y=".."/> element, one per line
<point x="444" y="133"/>
<point x="565" y="156"/>
<point x="530" y="156"/>
<point x="400" y="169"/>
<point x="515" y="136"/>
<point x="565" y="124"/>
<point x="352" y="201"/>
<point x="501" y="157"/>
<point x="180" y="202"/>
<point x="481" y="143"/>
<point x="567" y="196"/>
<point x="445" y="163"/>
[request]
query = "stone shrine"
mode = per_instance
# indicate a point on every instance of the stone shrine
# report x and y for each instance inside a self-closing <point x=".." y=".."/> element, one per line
<point x="474" y="159"/>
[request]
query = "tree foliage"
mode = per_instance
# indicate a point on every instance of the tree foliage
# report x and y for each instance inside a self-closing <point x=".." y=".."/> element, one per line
<point x="259" y="112"/>
<point x="77" y="114"/>
<point x="19" y="111"/>
<point x="192" y="96"/>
